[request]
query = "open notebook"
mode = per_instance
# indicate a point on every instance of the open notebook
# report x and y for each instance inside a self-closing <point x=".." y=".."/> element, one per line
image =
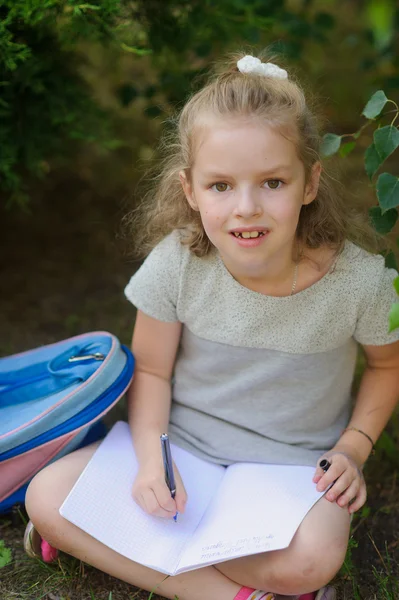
<point x="244" y="509"/>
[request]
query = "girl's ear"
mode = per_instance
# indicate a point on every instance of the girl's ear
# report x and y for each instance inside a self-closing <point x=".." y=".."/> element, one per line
<point x="312" y="186"/>
<point x="188" y="189"/>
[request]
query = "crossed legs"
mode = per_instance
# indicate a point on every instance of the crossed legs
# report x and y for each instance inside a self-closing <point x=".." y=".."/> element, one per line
<point x="311" y="561"/>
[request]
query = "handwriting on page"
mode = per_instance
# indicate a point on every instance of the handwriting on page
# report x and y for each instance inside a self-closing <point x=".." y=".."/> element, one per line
<point x="257" y="509"/>
<point x="256" y="543"/>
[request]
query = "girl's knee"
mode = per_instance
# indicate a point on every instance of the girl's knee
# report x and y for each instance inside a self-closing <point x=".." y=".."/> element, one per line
<point x="306" y="571"/>
<point x="37" y="496"/>
<point x="42" y="505"/>
<point x="49" y="488"/>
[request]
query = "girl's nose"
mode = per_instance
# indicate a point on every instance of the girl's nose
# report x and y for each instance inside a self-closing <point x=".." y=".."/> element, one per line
<point x="248" y="205"/>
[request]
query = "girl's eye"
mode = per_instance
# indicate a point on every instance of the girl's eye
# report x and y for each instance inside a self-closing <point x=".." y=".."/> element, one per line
<point x="220" y="187"/>
<point x="273" y="184"/>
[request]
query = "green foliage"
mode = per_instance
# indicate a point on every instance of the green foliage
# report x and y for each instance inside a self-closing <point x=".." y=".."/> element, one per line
<point x="375" y="105"/>
<point x="394" y="318"/>
<point x="5" y="555"/>
<point x="45" y="102"/>
<point x="348" y="569"/>
<point x="384" y="216"/>
<point x="383" y="222"/>
<point x="388" y="583"/>
<point x="387" y="191"/>
<point x="47" y="110"/>
<point x="330" y="144"/>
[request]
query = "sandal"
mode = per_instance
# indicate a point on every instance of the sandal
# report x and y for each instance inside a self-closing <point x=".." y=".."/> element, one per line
<point x="327" y="593"/>
<point x="36" y="547"/>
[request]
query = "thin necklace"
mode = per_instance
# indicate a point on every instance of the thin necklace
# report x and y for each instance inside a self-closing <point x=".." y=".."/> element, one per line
<point x="295" y="278"/>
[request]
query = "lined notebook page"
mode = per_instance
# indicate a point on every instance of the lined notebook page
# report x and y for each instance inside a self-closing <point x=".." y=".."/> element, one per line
<point x="258" y="508"/>
<point x="101" y="503"/>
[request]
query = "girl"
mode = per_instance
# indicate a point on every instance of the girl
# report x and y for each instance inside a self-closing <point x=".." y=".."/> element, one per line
<point x="250" y="307"/>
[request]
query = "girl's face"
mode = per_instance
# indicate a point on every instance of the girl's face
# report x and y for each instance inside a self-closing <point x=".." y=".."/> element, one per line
<point x="248" y="184"/>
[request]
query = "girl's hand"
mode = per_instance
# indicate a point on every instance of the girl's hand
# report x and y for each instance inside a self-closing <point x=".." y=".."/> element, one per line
<point x="153" y="495"/>
<point x="348" y="486"/>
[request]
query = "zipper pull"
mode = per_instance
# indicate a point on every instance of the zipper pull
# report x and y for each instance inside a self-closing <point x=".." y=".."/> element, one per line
<point x="95" y="356"/>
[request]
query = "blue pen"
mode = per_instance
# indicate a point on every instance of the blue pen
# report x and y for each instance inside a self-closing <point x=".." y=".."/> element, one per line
<point x="168" y="466"/>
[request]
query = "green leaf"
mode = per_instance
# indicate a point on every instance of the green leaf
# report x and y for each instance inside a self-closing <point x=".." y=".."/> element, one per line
<point x="5" y="555"/>
<point x="330" y="144"/>
<point x="387" y="191"/>
<point x="390" y="261"/>
<point x="375" y="105"/>
<point x="371" y="161"/>
<point x="383" y="223"/>
<point x="394" y="317"/>
<point x="396" y="284"/>
<point x="386" y="140"/>
<point x="346" y="149"/>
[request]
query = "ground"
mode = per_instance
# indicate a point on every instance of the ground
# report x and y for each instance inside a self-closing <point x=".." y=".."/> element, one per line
<point x="63" y="271"/>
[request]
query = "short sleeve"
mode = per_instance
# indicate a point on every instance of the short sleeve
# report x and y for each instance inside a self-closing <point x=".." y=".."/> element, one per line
<point x="372" y="327"/>
<point x="154" y="288"/>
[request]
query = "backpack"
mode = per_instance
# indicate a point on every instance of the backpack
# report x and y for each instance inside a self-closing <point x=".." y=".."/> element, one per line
<point x="52" y="400"/>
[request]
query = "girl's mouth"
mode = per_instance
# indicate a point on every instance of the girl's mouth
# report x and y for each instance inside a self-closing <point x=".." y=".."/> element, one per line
<point x="249" y="239"/>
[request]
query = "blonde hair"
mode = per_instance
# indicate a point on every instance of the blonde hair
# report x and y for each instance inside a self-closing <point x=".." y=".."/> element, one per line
<point x="327" y="221"/>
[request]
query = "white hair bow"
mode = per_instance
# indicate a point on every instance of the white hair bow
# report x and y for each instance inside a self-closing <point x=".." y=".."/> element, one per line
<point x="251" y="64"/>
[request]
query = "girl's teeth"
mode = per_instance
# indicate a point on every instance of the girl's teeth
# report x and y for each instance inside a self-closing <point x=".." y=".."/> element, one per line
<point x="248" y="234"/>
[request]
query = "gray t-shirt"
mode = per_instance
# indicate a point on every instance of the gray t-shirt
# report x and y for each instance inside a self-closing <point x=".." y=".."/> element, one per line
<point x="262" y="378"/>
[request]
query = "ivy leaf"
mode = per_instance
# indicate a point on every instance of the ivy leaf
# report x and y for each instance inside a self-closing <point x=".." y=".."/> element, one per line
<point x="346" y="149"/>
<point x="371" y="161"/>
<point x="5" y="555"/>
<point x="383" y="223"/>
<point x="396" y="284"/>
<point x="386" y="140"/>
<point x="390" y="261"/>
<point x="394" y="317"/>
<point x="388" y="191"/>
<point x="330" y="144"/>
<point x="375" y="105"/>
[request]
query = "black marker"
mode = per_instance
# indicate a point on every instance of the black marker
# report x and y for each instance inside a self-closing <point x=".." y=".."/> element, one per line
<point x="325" y="465"/>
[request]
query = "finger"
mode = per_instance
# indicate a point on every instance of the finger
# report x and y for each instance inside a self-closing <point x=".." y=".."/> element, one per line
<point x="339" y="466"/>
<point x="334" y="473"/>
<point x="181" y="494"/>
<point x="339" y="486"/>
<point x="322" y="467"/>
<point x="164" y="497"/>
<point x="318" y="474"/>
<point x="359" y="500"/>
<point x="349" y="494"/>
<point x="151" y="505"/>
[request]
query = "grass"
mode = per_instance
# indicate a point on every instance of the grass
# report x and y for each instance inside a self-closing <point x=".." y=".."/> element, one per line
<point x="66" y="579"/>
<point x="385" y="579"/>
<point x="70" y="579"/>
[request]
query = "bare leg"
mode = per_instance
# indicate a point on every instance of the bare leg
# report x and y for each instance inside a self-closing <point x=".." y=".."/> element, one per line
<point x="313" y="558"/>
<point x="45" y="495"/>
